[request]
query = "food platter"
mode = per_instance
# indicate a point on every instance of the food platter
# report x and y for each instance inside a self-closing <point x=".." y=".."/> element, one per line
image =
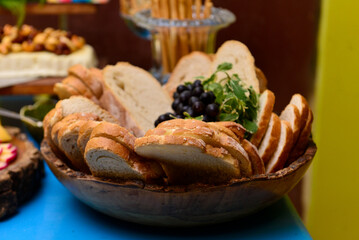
<point x="179" y="205"/>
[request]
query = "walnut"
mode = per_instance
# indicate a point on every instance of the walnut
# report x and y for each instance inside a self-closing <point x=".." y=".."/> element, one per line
<point x="16" y="47"/>
<point x="40" y="38"/>
<point x="50" y="43"/>
<point x="68" y="43"/>
<point x="48" y="30"/>
<point x="79" y="42"/>
<point x="28" y="46"/>
<point x="6" y="41"/>
<point x="4" y="49"/>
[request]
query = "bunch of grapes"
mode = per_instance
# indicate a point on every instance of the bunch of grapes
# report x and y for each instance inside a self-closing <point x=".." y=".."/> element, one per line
<point x="192" y="99"/>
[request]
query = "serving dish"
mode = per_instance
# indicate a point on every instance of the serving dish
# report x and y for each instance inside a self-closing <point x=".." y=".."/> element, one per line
<point x="179" y="205"/>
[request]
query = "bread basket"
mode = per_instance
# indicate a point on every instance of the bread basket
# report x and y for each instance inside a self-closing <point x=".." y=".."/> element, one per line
<point x="179" y="205"/>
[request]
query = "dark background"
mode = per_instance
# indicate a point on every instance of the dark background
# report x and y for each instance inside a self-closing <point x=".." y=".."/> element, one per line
<point x="281" y="34"/>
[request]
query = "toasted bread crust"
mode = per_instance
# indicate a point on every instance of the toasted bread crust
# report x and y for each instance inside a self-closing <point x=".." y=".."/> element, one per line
<point x="264" y="116"/>
<point x="262" y="80"/>
<point x="253" y="154"/>
<point x="281" y="154"/>
<point x="271" y="139"/>
<point x="84" y="134"/>
<point x="234" y="127"/>
<point x="292" y="116"/>
<point x="116" y="133"/>
<point x="64" y="91"/>
<point x="302" y="141"/>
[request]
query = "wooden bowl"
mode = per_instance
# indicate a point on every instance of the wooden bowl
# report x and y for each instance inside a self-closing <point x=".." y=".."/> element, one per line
<point x="181" y="205"/>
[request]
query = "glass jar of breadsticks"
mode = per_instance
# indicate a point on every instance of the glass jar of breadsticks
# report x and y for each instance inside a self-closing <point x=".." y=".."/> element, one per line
<point x="179" y="27"/>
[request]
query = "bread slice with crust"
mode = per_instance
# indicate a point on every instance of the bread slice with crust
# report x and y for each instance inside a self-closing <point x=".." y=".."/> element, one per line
<point x="291" y="115"/>
<point x="77" y="84"/>
<point x="242" y="60"/>
<point x="64" y="91"/>
<point x="84" y="134"/>
<point x="253" y="154"/>
<point x="281" y="154"/>
<point x="110" y="159"/>
<point x="302" y="142"/>
<point x="188" y="67"/>
<point x="91" y="78"/>
<point x="271" y="139"/>
<point x="136" y="94"/>
<point x="213" y="138"/>
<point x="188" y="160"/>
<point x="237" y="129"/>
<point x="115" y="133"/>
<point x="266" y="104"/>
<point x="262" y="80"/>
<point x="301" y="103"/>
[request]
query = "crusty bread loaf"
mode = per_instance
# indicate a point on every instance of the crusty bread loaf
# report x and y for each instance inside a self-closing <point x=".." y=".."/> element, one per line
<point x="136" y="94"/>
<point x="291" y="115"/>
<point x="271" y="139"/>
<point x="266" y="104"/>
<point x="281" y="154"/>
<point x="110" y="159"/>
<point x="188" y="160"/>
<point x="188" y="67"/>
<point x="238" y="54"/>
<point x="253" y="154"/>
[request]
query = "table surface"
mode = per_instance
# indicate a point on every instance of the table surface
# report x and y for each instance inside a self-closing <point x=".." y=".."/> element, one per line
<point x="54" y="213"/>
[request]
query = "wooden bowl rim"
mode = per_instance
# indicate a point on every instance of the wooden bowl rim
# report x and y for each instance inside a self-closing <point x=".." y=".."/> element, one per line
<point x="52" y="159"/>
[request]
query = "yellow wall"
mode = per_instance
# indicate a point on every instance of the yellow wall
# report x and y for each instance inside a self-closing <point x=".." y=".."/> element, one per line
<point x="334" y="207"/>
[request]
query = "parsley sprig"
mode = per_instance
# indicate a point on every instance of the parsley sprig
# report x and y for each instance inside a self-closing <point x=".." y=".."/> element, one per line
<point x="237" y="103"/>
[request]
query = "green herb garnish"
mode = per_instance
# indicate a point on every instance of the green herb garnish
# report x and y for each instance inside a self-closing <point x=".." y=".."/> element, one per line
<point x="237" y="103"/>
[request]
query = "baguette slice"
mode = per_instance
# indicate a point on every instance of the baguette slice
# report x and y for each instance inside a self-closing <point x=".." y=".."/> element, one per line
<point x="64" y="91"/>
<point x="109" y="159"/>
<point x="215" y="139"/>
<point x="266" y="104"/>
<point x="188" y="160"/>
<point x="67" y="140"/>
<point x="89" y="77"/>
<point x="237" y="129"/>
<point x="301" y="103"/>
<point x="261" y="79"/>
<point x="281" y="154"/>
<point x="115" y="133"/>
<point x="302" y="143"/>
<point x="136" y="93"/>
<point x="84" y="134"/>
<point x="291" y="115"/>
<point x="77" y="84"/>
<point x="238" y="54"/>
<point x="190" y="66"/>
<point x="271" y="138"/>
<point x="253" y="154"/>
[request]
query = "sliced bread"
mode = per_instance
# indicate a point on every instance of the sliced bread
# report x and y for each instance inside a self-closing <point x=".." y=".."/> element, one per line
<point x="190" y="66"/>
<point x="266" y="104"/>
<point x="271" y="139"/>
<point x="253" y="154"/>
<point x="301" y="103"/>
<point x="77" y="84"/>
<point x="89" y="77"/>
<point x="261" y="79"/>
<point x="188" y="160"/>
<point x="238" y="54"/>
<point x="291" y="114"/>
<point x="64" y="91"/>
<point x="137" y="94"/>
<point x="110" y="159"/>
<point x="281" y="154"/>
<point x="84" y="134"/>
<point x="213" y="138"/>
<point x="302" y="142"/>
